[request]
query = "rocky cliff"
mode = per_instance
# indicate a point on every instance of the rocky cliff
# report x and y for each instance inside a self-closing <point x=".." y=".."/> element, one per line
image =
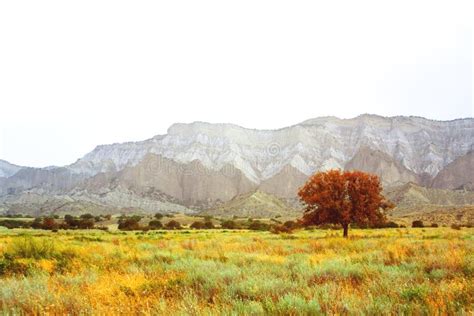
<point x="198" y="165"/>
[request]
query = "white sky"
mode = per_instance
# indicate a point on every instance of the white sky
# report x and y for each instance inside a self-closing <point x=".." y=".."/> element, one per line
<point x="75" y="74"/>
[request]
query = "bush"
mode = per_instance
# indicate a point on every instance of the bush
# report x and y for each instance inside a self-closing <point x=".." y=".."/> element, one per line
<point x="229" y="224"/>
<point x="173" y="225"/>
<point x="49" y="223"/>
<point x="434" y="225"/>
<point x="158" y="216"/>
<point x="291" y="225"/>
<point x="208" y="224"/>
<point x="29" y="247"/>
<point x="281" y="229"/>
<point x="87" y="216"/>
<point x="257" y="225"/>
<point x="86" y="221"/>
<point x="197" y="225"/>
<point x="155" y="224"/>
<point x="417" y="224"/>
<point x="13" y="223"/>
<point x="129" y="223"/>
<point x="391" y="225"/>
<point x="456" y="226"/>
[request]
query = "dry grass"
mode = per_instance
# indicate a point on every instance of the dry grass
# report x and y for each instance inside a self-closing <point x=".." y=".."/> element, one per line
<point x="392" y="271"/>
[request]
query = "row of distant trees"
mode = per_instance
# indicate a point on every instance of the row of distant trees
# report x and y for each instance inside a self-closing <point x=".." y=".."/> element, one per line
<point x="335" y="197"/>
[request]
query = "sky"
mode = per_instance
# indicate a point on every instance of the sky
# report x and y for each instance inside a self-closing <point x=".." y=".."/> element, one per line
<point x="76" y="74"/>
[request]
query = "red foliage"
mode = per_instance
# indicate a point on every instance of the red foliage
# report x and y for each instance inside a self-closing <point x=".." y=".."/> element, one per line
<point x="336" y="197"/>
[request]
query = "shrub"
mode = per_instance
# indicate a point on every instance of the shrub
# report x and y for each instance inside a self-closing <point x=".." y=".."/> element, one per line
<point x="281" y="229"/>
<point x="37" y="223"/>
<point x="434" y="225"/>
<point x="173" y="225"/>
<point x="208" y="225"/>
<point x="257" y="225"/>
<point x="86" y="223"/>
<point x="158" y="216"/>
<point x="197" y="225"/>
<point x="291" y="225"/>
<point x="87" y="216"/>
<point x="229" y="224"/>
<point x="456" y="226"/>
<point x="391" y="225"/>
<point x="417" y="224"/>
<point x="155" y="224"/>
<point x="12" y="223"/>
<point x="129" y="223"/>
<point x="28" y="247"/>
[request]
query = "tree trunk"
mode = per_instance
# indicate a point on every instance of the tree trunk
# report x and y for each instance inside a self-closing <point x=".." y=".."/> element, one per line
<point x="346" y="230"/>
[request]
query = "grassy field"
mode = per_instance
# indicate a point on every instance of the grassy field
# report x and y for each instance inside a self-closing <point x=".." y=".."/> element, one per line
<point x="385" y="271"/>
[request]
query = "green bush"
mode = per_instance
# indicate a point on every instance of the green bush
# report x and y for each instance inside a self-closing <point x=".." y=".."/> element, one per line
<point x="129" y="223"/>
<point x="257" y="225"/>
<point x="28" y="247"/>
<point x="155" y="224"/>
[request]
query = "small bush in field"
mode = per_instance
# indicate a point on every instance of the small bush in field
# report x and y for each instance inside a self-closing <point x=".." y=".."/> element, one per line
<point x="13" y="223"/>
<point x="129" y="223"/>
<point x="417" y="224"/>
<point x="434" y="225"/>
<point x="173" y="225"/>
<point x="281" y="229"/>
<point x="229" y="224"/>
<point x="391" y="225"/>
<point x="257" y="225"/>
<point x="155" y="224"/>
<point x="456" y="226"/>
<point x="291" y="224"/>
<point x="28" y="247"/>
<point x="208" y="225"/>
<point x="197" y="225"/>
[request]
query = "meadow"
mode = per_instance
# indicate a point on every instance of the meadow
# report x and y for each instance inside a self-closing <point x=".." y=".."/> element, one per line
<point x="218" y="272"/>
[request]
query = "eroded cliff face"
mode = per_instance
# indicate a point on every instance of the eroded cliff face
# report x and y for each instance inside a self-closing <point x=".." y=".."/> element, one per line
<point x="390" y="171"/>
<point x="420" y="145"/>
<point x="459" y="174"/>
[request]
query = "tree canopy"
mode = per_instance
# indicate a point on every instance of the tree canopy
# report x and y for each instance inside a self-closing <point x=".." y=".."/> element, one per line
<point x="343" y="197"/>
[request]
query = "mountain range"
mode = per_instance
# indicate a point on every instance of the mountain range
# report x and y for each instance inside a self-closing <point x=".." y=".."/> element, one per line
<point x="202" y="166"/>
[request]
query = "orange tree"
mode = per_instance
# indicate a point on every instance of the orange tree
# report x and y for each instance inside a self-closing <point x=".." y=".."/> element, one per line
<point x="337" y="197"/>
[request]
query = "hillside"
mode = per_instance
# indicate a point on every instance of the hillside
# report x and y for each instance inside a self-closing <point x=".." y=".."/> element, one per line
<point x="255" y="204"/>
<point x="200" y="165"/>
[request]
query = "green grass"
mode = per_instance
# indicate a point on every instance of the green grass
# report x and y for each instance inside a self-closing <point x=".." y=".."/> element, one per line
<point x="218" y="272"/>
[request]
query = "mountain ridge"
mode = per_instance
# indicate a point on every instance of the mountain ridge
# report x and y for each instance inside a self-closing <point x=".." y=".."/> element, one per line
<point x="208" y="163"/>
